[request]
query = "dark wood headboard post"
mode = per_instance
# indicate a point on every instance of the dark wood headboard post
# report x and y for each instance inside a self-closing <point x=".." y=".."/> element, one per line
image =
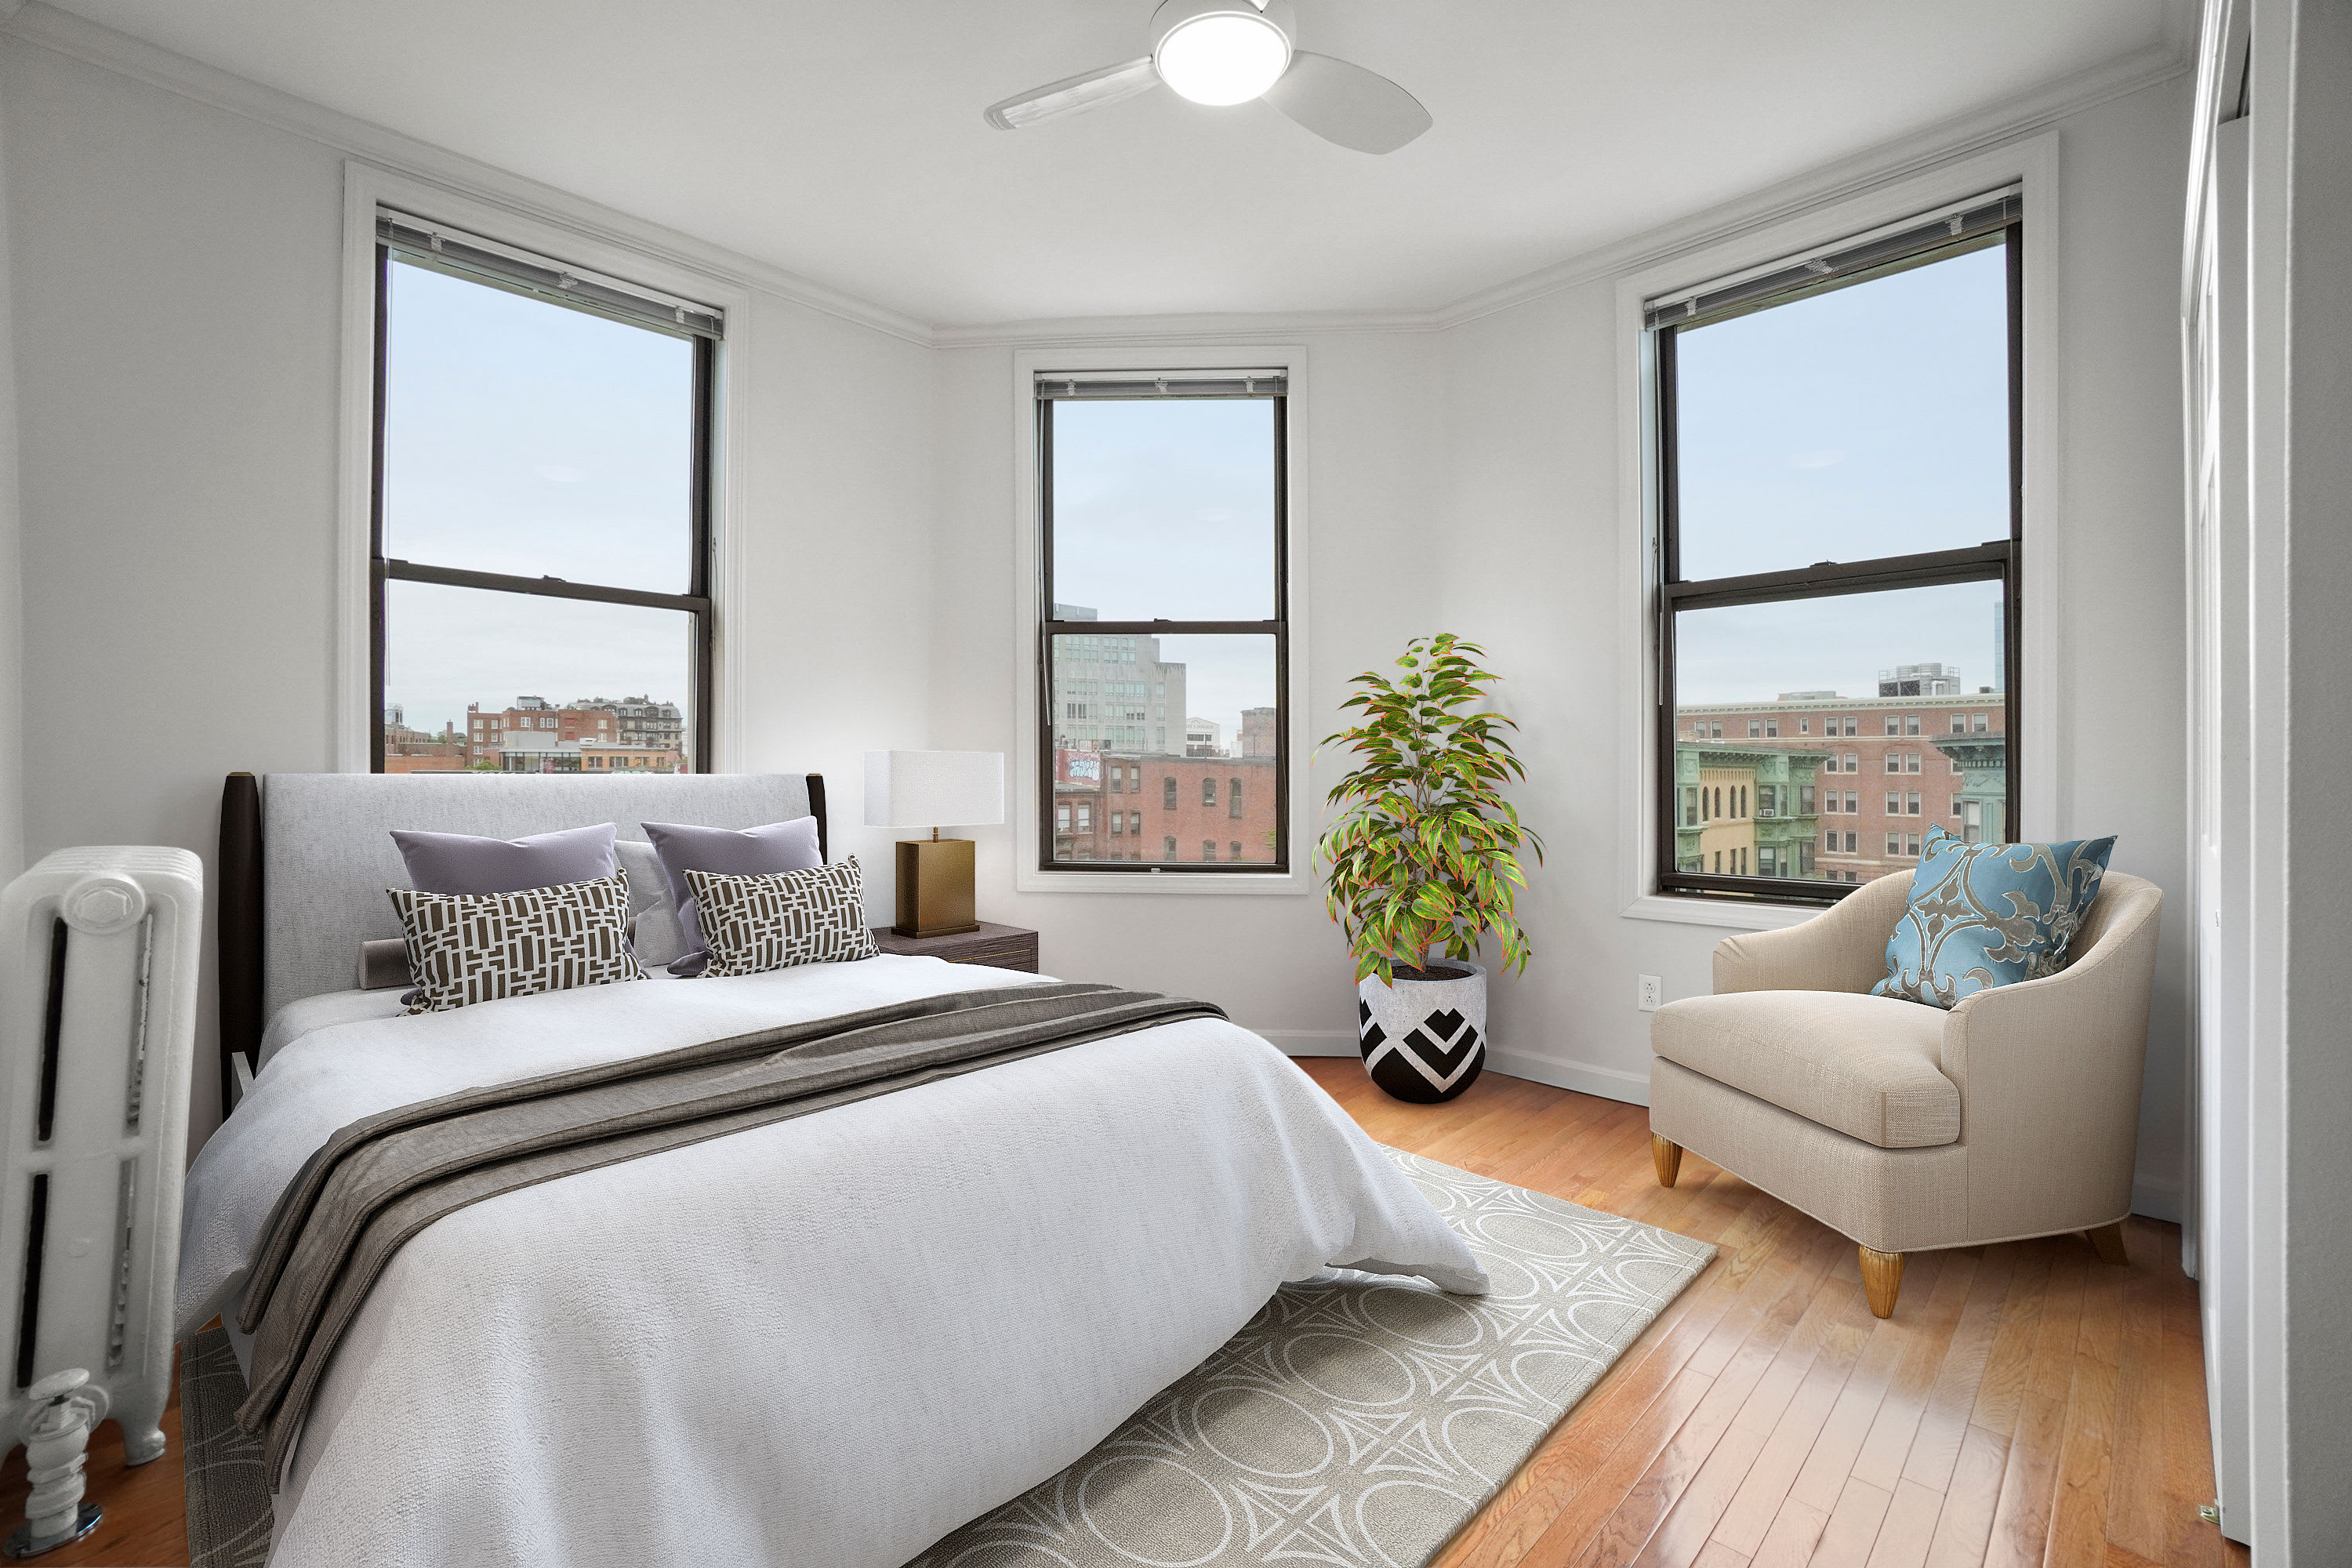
<point x="239" y="936"/>
<point x="816" y="809"/>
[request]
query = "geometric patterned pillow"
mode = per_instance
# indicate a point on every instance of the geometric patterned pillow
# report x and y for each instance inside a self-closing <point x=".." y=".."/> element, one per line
<point x="1982" y="915"/>
<point x="465" y="948"/>
<point x="753" y="924"/>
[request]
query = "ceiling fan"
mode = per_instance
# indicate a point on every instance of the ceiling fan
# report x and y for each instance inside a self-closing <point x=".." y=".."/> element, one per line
<point x="1220" y="52"/>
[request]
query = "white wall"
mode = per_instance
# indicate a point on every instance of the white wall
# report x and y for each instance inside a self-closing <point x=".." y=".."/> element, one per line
<point x="12" y="604"/>
<point x="176" y="269"/>
<point x="1469" y="480"/>
<point x="1536" y="532"/>
<point x="178" y="286"/>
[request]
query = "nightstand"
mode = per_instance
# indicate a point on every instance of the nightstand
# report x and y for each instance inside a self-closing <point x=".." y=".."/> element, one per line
<point x="1000" y="947"/>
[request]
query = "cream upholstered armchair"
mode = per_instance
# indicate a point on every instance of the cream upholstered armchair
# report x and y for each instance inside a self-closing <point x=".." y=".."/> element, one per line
<point x="1903" y="1126"/>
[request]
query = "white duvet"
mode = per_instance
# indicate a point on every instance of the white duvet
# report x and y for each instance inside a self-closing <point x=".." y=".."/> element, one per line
<point x="827" y="1342"/>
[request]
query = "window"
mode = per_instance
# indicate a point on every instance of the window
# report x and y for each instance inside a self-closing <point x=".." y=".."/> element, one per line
<point x="1086" y="817"/>
<point x="1836" y="487"/>
<point x="1118" y="823"/>
<point x="1893" y="804"/>
<point x="1161" y="547"/>
<point x="1061" y="820"/>
<point x="1960" y="723"/>
<point x="1235" y="850"/>
<point x="541" y="510"/>
<point x="1911" y="802"/>
<point x="1805" y="727"/>
<point x="1208" y="848"/>
<point x="1894" y="844"/>
<point x="1852" y="840"/>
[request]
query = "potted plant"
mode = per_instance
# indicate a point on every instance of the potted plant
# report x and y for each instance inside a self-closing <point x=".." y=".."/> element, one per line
<point x="1422" y="860"/>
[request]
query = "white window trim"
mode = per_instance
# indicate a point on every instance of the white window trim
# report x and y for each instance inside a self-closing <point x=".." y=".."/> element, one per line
<point x="2032" y="162"/>
<point x="367" y="186"/>
<point x="1028" y="877"/>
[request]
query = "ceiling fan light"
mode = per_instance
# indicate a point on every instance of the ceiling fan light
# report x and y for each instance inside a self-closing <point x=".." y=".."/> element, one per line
<point x="1224" y="57"/>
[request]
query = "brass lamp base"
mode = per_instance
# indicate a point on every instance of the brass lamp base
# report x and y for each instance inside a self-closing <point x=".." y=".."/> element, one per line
<point x="935" y="897"/>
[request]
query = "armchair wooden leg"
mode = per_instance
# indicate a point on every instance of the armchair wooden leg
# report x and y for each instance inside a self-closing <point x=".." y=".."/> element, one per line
<point x="1667" y="1155"/>
<point x="1881" y="1281"/>
<point x="2108" y="1239"/>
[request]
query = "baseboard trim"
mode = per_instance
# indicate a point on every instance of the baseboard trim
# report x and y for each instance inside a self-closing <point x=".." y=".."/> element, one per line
<point x="1609" y="1083"/>
<point x="2157" y="1197"/>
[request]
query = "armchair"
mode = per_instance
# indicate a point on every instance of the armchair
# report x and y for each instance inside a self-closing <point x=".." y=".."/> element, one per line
<point x="1903" y="1126"/>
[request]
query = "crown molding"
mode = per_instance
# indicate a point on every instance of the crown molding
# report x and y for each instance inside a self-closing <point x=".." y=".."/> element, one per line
<point x="46" y="25"/>
<point x="102" y="46"/>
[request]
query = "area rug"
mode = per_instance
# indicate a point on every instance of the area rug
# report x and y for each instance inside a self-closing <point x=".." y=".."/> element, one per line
<point x="1359" y="1419"/>
<point x="229" y="1494"/>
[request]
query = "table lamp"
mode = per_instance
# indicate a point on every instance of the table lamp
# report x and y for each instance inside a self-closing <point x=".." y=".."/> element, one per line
<point x="932" y="789"/>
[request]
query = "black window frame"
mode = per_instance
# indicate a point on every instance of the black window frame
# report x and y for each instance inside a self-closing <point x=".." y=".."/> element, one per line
<point x="1173" y="385"/>
<point x="543" y="279"/>
<point x="1997" y="219"/>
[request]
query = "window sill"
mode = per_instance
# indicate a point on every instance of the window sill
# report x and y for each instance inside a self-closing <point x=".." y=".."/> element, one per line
<point x="1725" y="913"/>
<point x="1293" y="883"/>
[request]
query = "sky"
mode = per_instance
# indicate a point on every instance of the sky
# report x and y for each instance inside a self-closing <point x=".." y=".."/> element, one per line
<point x="1866" y="422"/>
<point x="524" y="437"/>
<point x="1163" y="508"/>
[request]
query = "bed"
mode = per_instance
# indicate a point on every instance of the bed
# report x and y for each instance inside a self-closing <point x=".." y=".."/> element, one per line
<point x="827" y="1340"/>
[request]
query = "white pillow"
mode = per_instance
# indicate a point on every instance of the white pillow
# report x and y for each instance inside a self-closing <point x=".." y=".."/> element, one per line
<point x="654" y="931"/>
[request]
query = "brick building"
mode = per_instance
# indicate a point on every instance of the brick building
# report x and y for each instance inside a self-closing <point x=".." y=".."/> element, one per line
<point x="640" y="721"/>
<point x="1152" y="808"/>
<point x="1890" y="767"/>
<point x="407" y="750"/>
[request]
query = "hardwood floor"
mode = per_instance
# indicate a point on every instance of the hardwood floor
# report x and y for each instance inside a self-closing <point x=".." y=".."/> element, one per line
<point x="2026" y="1405"/>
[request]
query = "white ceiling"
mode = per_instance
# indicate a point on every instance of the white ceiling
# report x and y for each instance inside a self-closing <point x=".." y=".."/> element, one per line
<point x="843" y="142"/>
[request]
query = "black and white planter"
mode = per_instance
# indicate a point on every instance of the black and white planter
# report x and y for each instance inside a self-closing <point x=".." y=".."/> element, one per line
<point x="1423" y="1040"/>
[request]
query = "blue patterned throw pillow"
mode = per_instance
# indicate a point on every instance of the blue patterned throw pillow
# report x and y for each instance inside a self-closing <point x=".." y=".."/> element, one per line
<point x="1983" y="915"/>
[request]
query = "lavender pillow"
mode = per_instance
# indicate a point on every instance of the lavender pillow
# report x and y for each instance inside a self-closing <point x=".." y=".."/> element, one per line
<point x="726" y="852"/>
<point x="461" y="863"/>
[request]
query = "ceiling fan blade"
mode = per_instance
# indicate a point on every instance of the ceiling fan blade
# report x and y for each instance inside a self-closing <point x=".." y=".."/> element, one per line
<point x="1348" y="104"/>
<point x="1073" y="94"/>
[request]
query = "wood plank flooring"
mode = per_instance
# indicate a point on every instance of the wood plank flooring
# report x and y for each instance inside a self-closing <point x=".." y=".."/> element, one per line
<point x="2026" y="1405"/>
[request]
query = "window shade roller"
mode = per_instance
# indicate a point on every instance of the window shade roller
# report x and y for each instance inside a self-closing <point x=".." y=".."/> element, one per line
<point x="1972" y="219"/>
<point x="1056" y="387"/>
<point x="446" y="250"/>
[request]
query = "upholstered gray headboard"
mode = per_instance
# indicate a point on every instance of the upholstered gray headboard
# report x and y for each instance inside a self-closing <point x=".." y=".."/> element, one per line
<point x="325" y="854"/>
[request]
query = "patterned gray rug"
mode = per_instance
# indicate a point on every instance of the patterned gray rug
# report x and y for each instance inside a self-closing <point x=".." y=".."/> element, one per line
<point x="228" y="1496"/>
<point x="1358" y="1419"/>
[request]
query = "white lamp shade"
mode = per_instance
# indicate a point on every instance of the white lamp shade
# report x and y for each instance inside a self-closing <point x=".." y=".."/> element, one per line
<point x="934" y="789"/>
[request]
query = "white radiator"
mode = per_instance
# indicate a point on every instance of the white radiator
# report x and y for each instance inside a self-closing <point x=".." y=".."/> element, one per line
<point x="98" y="1003"/>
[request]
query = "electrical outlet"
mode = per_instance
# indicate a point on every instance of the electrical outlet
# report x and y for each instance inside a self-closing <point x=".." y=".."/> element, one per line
<point x="1653" y="993"/>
